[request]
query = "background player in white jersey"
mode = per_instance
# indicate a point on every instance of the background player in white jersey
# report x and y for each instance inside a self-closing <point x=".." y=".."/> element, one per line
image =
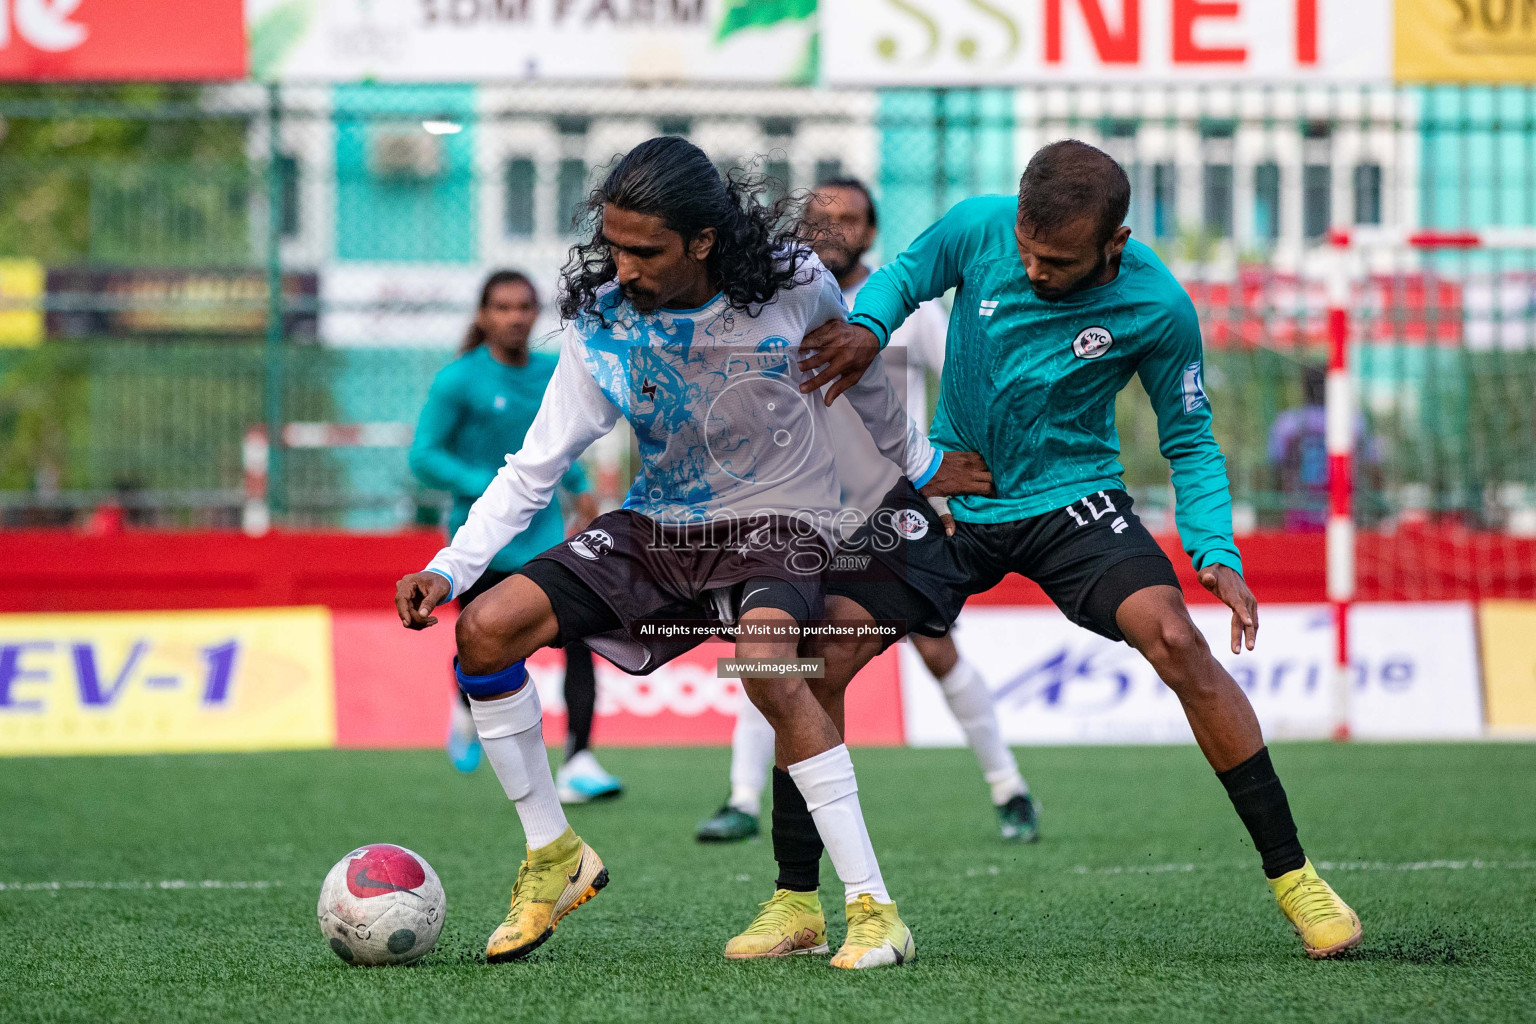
<point x="842" y="223"/>
<point x="684" y="314"/>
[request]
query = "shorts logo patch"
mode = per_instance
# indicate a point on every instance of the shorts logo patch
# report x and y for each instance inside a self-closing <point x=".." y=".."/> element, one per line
<point x="911" y="524"/>
<point x="1092" y="342"/>
<point x="591" y="544"/>
<point x="758" y="538"/>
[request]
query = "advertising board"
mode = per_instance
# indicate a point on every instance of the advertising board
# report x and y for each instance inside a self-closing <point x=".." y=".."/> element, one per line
<point x="519" y="40"/>
<point x="142" y="682"/>
<point x="1415" y="677"/>
<point x="944" y="42"/>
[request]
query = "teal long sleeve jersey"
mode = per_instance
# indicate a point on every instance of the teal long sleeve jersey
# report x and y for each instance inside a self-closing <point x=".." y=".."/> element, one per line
<point x="1031" y="384"/>
<point x="477" y="413"/>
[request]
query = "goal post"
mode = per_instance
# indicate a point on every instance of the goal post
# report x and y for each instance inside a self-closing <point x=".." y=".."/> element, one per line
<point x="1350" y="255"/>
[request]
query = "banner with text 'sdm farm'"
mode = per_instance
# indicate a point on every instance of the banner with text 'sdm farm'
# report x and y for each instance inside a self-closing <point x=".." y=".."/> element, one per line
<point x="118" y="683"/>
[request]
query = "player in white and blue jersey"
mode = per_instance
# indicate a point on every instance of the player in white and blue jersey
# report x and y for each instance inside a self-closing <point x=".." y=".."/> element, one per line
<point x="684" y="315"/>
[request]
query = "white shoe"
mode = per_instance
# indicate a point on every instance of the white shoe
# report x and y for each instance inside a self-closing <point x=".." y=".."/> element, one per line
<point x="582" y="779"/>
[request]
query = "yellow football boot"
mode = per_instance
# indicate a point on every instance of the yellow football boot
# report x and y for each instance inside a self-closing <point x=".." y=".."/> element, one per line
<point x="553" y="881"/>
<point x="1325" y="923"/>
<point x="876" y="936"/>
<point x="790" y="924"/>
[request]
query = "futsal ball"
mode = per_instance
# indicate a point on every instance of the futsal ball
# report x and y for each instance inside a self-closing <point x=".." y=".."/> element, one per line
<point x="381" y="904"/>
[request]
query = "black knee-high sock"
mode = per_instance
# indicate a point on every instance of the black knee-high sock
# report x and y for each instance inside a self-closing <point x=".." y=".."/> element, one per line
<point x="1260" y="801"/>
<point x="580" y="698"/>
<point x="796" y="843"/>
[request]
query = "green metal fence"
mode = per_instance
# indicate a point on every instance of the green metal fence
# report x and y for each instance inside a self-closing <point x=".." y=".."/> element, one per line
<point x="239" y="257"/>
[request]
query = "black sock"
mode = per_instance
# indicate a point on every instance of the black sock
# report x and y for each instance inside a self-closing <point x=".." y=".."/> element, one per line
<point x="796" y="843"/>
<point x="1260" y="801"/>
<point x="580" y="698"/>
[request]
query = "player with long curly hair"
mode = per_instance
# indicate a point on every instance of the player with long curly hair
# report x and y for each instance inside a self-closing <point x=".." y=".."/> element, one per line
<point x="684" y="314"/>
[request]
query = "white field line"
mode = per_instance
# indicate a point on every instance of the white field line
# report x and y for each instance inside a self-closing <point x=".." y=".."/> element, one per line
<point x="1469" y="864"/>
<point x="168" y="883"/>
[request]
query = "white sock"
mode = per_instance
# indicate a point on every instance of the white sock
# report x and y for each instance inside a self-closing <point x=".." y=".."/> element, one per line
<point x="751" y="758"/>
<point x="971" y="703"/>
<point x="511" y="731"/>
<point x="832" y="794"/>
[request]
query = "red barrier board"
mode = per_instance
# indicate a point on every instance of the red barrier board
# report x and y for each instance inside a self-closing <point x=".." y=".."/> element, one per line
<point x="394" y="689"/>
<point x="59" y="571"/>
<point x="119" y="40"/>
<point x="54" y="570"/>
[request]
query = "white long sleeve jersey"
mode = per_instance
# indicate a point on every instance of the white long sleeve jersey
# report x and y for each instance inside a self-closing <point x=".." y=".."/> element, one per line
<point x="713" y="395"/>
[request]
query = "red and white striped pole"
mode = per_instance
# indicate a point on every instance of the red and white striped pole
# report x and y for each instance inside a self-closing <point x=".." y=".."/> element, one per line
<point x="256" y="516"/>
<point x="1339" y="436"/>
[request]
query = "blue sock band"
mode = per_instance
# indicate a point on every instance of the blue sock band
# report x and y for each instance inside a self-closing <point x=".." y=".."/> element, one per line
<point x="508" y="680"/>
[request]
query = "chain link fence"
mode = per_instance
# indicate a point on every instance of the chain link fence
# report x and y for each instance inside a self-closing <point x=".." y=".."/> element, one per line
<point x="179" y="266"/>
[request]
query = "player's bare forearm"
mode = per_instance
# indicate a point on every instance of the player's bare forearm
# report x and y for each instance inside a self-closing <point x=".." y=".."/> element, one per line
<point x="416" y="595"/>
<point x="841" y="352"/>
<point x="958" y="473"/>
<point x="1232" y="590"/>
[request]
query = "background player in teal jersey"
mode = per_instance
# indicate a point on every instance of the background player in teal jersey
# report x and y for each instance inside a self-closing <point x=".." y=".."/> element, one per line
<point x="1055" y="309"/>
<point x="479" y="409"/>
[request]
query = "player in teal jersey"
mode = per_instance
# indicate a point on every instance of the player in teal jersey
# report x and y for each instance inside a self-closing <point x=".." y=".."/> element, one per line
<point x="479" y="409"/>
<point x="1055" y="309"/>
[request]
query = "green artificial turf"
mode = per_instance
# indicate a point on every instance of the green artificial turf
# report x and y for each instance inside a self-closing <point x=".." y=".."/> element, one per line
<point x="1143" y="901"/>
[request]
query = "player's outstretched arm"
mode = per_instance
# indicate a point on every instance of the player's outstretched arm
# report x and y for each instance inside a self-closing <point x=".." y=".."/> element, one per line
<point x="1225" y="582"/>
<point x="574" y="413"/>
<point x="929" y="267"/>
<point x="416" y="595"/>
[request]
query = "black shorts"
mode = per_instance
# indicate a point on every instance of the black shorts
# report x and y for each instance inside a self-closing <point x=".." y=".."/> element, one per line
<point x="490" y="579"/>
<point x="1088" y="558"/>
<point x="625" y="569"/>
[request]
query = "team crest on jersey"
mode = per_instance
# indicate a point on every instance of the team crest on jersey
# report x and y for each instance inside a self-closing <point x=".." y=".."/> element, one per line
<point x="772" y="356"/>
<point x="911" y="524"/>
<point x="591" y="544"/>
<point x="1092" y="342"/>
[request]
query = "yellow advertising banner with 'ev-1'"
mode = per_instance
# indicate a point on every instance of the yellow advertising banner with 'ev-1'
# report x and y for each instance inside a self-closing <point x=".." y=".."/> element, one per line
<point x="163" y="682"/>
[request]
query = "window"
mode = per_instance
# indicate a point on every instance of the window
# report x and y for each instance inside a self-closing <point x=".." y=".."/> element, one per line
<point x="777" y="173"/>
<point x="1316" y="200"/>
<point x="570" y="193"/>
<point x="1316" y="179"/>
<point x="1218" y="199"/>
<point x="522" y="178"/>
<point x="1164" y="201"/>
<point x="674" y="126"/>
<point x="826" y="170"/>
<point x="1367" y="193"/>
<point x="1217" y="178"/>
<point x="1120" y="143"/>
<point x="288" y="194"/>
<point x="1266" y="201"/>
